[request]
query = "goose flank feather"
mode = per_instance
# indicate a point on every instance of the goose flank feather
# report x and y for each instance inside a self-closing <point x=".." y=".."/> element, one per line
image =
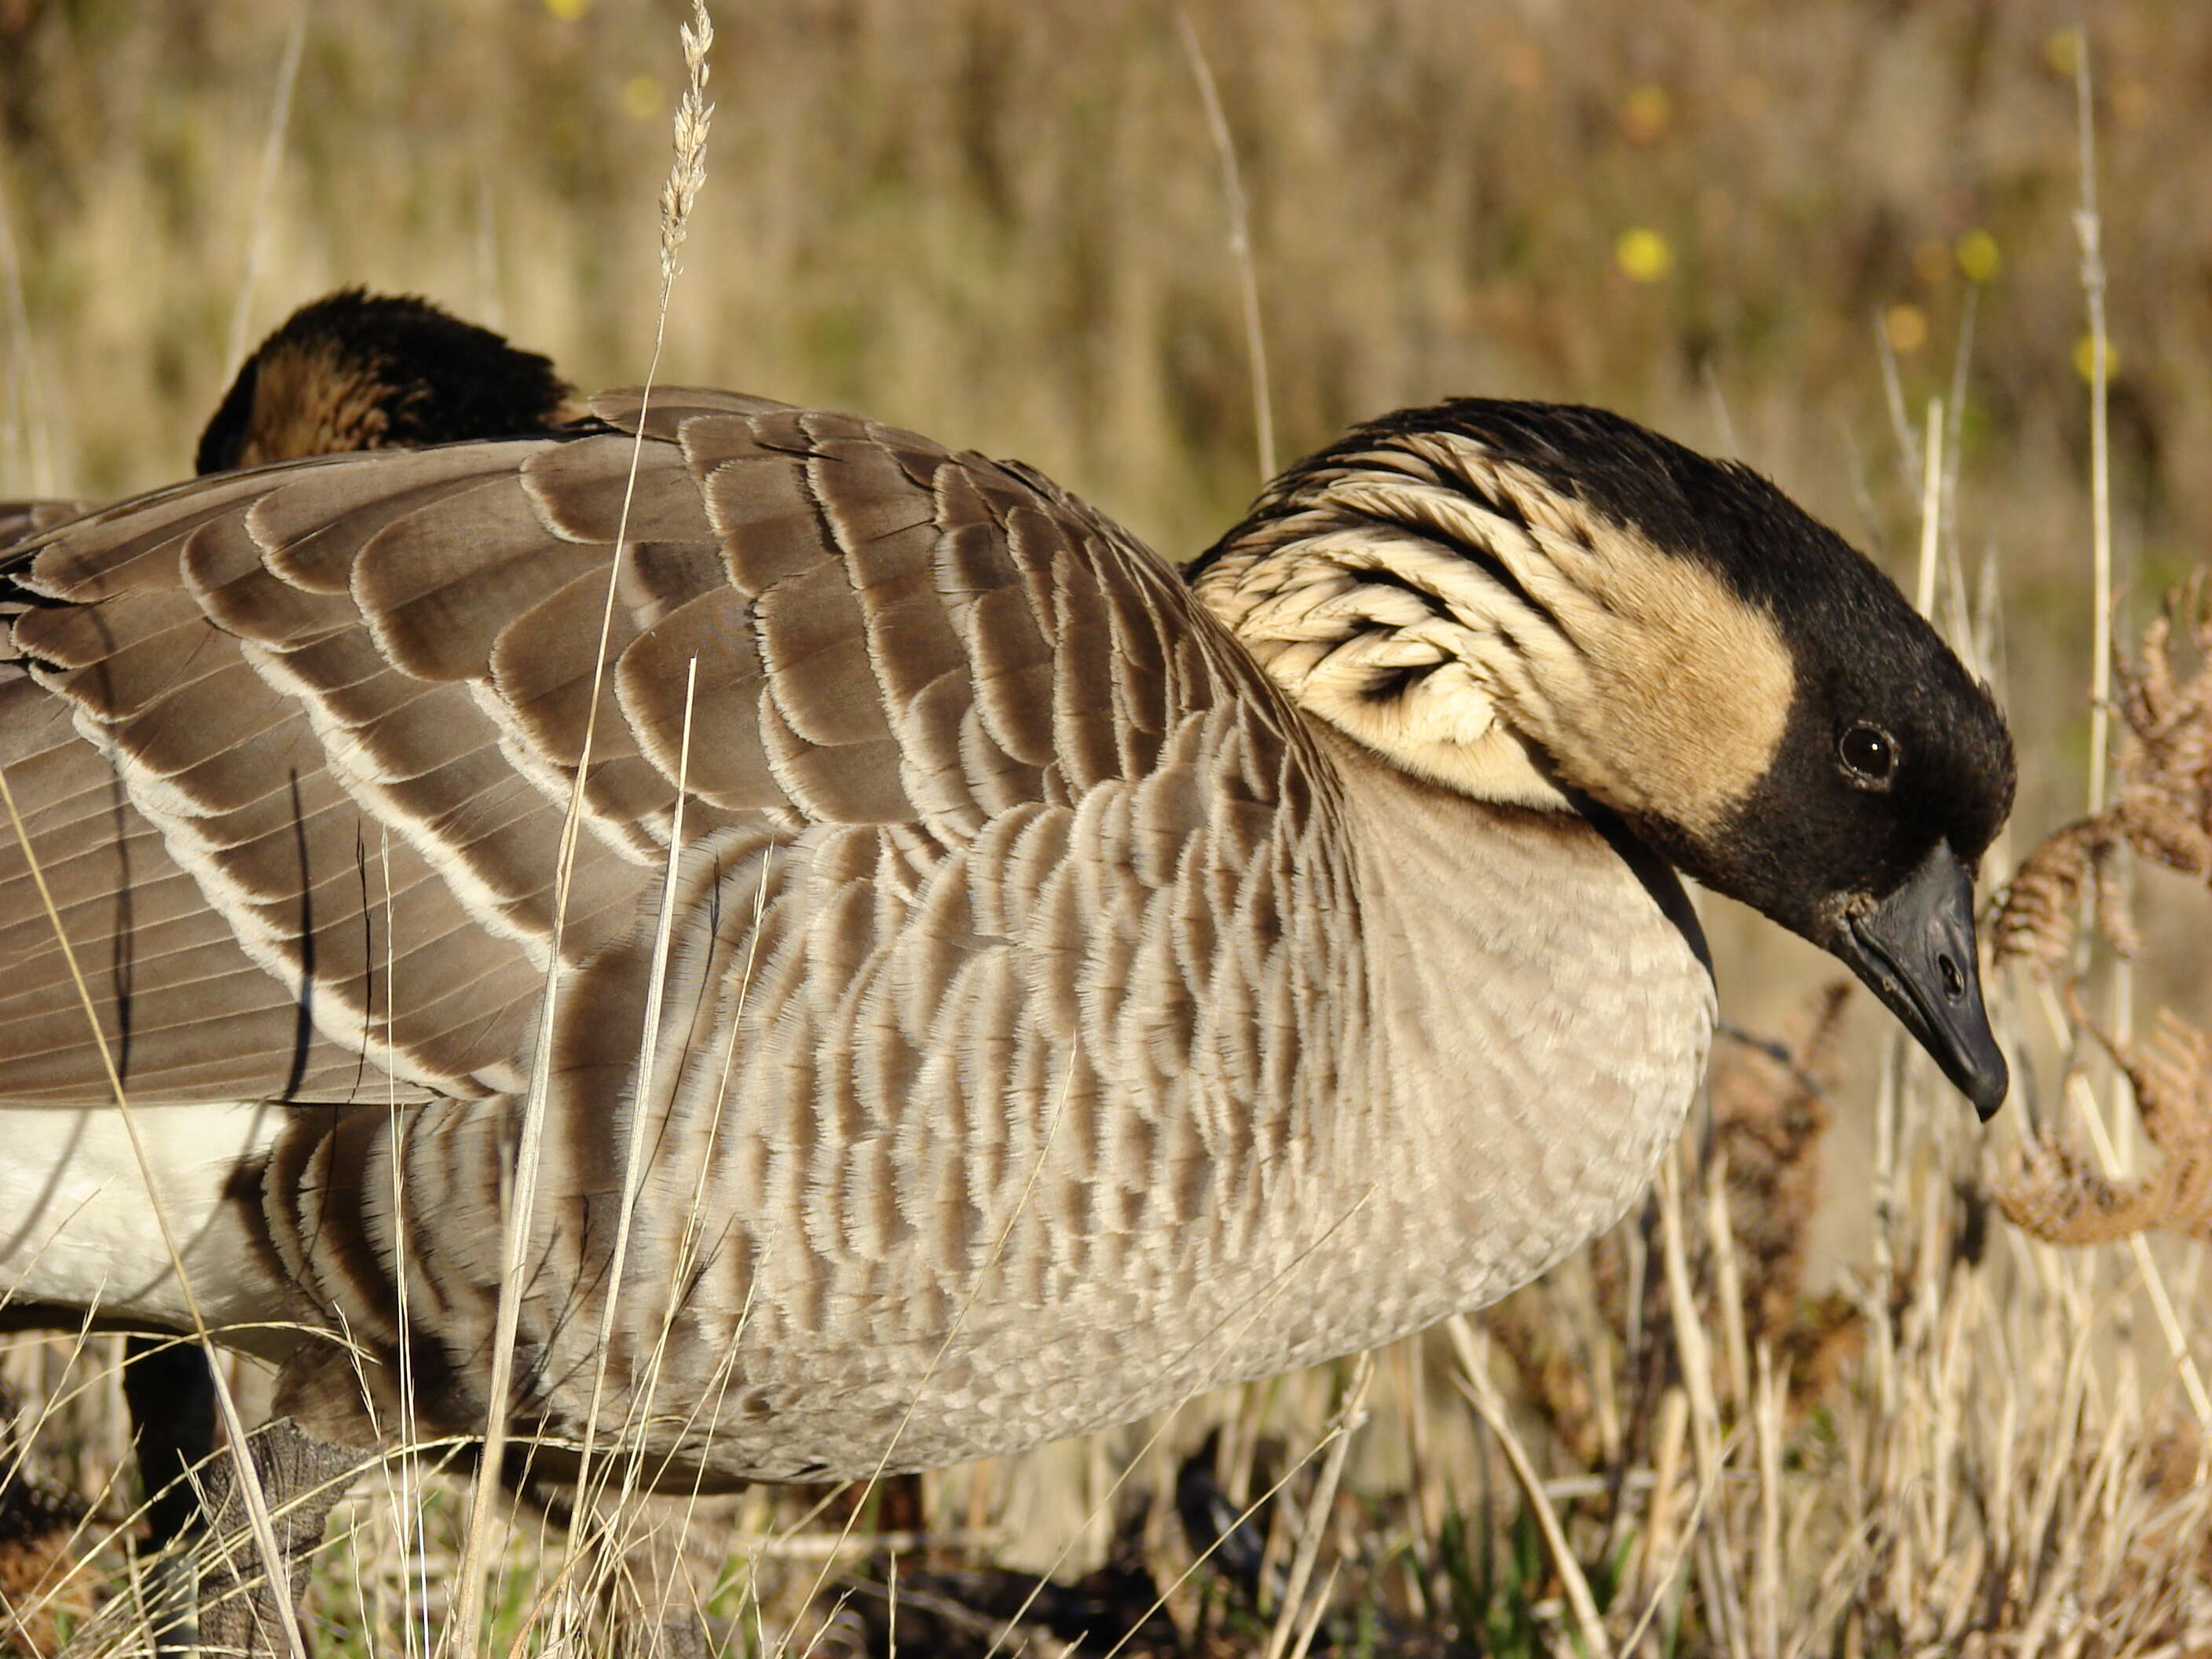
<point x="1087" y="986"/>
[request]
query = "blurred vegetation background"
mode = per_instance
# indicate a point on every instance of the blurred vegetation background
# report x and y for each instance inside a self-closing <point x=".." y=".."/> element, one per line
<point x="1775" y="231"/>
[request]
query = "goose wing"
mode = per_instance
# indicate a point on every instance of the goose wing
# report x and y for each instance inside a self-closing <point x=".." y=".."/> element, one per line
<point x="20" y="520"/>
<point x="295" y="747"/>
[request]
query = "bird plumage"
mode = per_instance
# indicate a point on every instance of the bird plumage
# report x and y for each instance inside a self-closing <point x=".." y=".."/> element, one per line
<point x="354" y="371"/>
<point x="1082" y="988"/>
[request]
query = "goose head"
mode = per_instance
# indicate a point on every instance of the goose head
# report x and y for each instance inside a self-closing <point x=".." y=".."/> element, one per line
<point x="1555" y="607"/>
<point x="354" y="370"/>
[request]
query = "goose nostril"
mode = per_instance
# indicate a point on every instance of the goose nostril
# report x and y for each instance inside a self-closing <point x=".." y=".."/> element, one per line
<point x="1955" y="982"/>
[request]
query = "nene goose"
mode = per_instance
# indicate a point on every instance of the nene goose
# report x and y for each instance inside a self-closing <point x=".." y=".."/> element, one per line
<point x="1007" y="987"/>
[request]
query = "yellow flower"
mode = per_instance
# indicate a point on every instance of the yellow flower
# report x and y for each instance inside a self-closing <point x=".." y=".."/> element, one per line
<point x="641" y="96"/>
<point x="567" y="10"/>
<point x="2085" y="358"/>
<point x="1647" y="114"/>
<point x="1979" y="256"/>
<point x="2061" y="50"/>
<point x="1643" y="254"/>
<point x="1905" y="328"/>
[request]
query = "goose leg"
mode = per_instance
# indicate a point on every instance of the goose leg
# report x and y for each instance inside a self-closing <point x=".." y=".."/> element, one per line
<point x="171" y="1394"/>
<point x="302" y="1480"/>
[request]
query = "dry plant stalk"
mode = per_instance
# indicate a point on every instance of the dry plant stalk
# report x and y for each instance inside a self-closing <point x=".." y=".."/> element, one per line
<point x="679" y="194"/>
<point x="695" y="118"/>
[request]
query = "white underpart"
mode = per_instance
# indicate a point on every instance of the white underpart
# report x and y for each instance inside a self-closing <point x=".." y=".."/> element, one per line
<point x="78" y="1220"/>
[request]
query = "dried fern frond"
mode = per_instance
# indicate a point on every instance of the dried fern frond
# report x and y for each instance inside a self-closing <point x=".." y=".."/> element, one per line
<point x="2170" y="719"/>
<point x="2164" y="809"/>
<point x="2040" y="910"/>
<point x="2166" y="761"/>
<point x="2051" y="1189"/>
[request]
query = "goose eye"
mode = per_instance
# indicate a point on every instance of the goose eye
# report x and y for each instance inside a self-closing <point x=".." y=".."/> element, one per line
<point x="1869" y="754"/>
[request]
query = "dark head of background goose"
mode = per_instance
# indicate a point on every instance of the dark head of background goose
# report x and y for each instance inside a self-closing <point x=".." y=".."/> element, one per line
<point x="1667" y="636"/>
<point x="355" y="370"/>
<point x="351" y="371"/>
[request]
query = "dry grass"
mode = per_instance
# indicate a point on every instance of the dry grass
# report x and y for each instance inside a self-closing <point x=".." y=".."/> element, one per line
<point x="1715" y="1432"/>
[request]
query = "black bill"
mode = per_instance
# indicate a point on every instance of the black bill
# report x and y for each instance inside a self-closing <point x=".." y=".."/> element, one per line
<point x="1915" y="951"/>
